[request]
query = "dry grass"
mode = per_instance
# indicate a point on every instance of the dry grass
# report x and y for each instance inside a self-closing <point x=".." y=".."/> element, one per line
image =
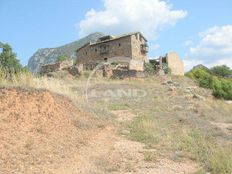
<point x="168" y="121"/>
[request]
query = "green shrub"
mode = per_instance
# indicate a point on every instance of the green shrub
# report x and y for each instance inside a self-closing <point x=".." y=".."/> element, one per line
<point x="149" y="68"/>
<point x="166" y="69"/>
<point x="221" y="71"/>
<point x="62" y="58"/>
<point x="222" y="88"/>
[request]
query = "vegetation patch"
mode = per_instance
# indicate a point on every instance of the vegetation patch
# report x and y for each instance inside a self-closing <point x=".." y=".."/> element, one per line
<point x="205" y="150"/>
<point x="214" y="79"/>
<point x="144" y="129"/>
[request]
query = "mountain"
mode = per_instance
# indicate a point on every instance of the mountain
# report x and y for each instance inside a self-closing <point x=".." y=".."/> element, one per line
<point x="50" y="55"/>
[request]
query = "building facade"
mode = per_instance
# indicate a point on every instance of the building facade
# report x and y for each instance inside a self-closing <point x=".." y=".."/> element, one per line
<point x="130" y="49"/>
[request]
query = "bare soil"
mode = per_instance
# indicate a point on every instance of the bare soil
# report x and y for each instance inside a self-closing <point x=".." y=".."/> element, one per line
<point x="45" y="133"/>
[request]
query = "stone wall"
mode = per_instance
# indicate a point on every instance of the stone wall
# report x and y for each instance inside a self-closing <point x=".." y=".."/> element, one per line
<point x="90" y="54"/>
<point x="175" y="63"/>
<point x="44" y="69"/>
<point x="127" y="73"/>
<point x="136" y="41"/>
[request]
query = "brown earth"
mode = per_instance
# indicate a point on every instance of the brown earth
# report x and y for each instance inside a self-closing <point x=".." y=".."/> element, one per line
<point x="42" y="132"/>
<point x="39" y="131"/>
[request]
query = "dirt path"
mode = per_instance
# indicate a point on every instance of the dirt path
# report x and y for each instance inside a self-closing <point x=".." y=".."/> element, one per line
<point x="107" y="152"/>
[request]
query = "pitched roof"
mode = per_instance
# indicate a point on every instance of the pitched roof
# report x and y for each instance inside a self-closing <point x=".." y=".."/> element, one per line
<point x="111" y="39"/>
<point x="117" y="37"/>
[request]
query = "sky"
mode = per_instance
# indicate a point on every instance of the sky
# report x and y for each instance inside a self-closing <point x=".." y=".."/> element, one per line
<point x="199" y="30"/>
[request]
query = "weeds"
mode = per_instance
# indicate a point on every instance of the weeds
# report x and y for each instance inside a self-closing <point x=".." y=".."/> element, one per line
<point x="206" y="151"/>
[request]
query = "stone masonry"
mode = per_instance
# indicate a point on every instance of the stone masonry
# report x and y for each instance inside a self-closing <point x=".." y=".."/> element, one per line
<point x="44" y="69"/>
<point x="130" y="49"/>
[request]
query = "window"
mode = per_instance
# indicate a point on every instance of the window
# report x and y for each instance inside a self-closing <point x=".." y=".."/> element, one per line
<point x="104" y="49"/>
<point x="119" y="44"/>
<point x="140" y="38"/>
<point x="95" y="49"/>
<point x="86" y="53"/>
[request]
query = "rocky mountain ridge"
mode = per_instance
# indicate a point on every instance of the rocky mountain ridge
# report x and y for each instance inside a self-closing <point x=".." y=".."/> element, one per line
<point x="50" y="55"/>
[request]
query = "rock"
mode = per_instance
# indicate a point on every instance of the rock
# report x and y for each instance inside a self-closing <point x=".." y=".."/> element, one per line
<point x="50" y="55"/>
<point x="176" y="84"/>
<point x="229" y="101"/>
<point x="73" y="70"/>
<point x="169" y="82"/>
<point x="172" y="88"/>
<point x="199" y="97"/>
<point x="188" y="91"/>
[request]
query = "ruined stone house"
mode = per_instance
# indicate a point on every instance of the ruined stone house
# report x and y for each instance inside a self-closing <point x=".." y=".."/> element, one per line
<point x="57" y="66"/>
<point x="171" y="61"/>
<point x="130" y="49"/>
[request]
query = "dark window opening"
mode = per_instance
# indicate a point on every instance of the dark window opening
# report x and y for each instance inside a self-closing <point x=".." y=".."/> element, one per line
<point x="119" y="44"/>
<point x="105" y="59"/>
<point x="164" y="60"/>
<point x="140" y="38"/>
<point x="96" y="50"/>
<point x="104" y="49"/>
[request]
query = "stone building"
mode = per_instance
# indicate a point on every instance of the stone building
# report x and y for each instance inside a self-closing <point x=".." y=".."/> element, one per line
<point x="171" y="61"/>
<point x="130" y="49"/>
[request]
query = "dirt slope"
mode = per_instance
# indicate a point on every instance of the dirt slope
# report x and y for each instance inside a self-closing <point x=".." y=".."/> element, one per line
<point x="45" y="133"/>
<point x="39" y="131"/>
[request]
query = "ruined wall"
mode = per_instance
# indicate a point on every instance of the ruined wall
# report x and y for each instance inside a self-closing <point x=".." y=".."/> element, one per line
<point x="44" y="69"/>
<point x="137" y="65"/>
<point x="55" y="66"/>
<point x="127" y="73"/>
<point x="175" y="63"/>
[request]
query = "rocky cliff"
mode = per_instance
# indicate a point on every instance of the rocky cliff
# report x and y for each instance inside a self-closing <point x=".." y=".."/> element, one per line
<point x="50" y="55"/>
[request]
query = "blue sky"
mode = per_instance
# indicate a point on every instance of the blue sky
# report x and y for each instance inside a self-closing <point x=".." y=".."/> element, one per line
<point x="200" y="31"/>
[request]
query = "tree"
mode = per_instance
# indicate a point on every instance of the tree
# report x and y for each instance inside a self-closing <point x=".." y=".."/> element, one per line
<point x="221" y="70"/>
<point x="8" y="60"/>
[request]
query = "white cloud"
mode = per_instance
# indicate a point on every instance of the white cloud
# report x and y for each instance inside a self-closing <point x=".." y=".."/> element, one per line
<point x="189" y="64"/>
<point x="214" y="48"/>
<point x="188" y="43"/>
<point x="155" y="47"/>
<point x="120" y="16"/>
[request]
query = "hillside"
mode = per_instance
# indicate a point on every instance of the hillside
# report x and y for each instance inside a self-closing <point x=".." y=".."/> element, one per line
<point x="50" y="55"/>
<point x="176" y="128"/>
<point x="38" y="136"/>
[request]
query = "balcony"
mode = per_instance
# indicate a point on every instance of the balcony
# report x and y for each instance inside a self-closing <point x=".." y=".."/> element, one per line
<point x="144" y="48"/>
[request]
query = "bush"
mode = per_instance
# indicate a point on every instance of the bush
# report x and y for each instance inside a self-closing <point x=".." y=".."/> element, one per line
<point x="222" y="88"/>
<point x="221" y="71"/>
<point x="62" y="58"/>
<point x="149" y="68"/>
<point x="166" y="69"/>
